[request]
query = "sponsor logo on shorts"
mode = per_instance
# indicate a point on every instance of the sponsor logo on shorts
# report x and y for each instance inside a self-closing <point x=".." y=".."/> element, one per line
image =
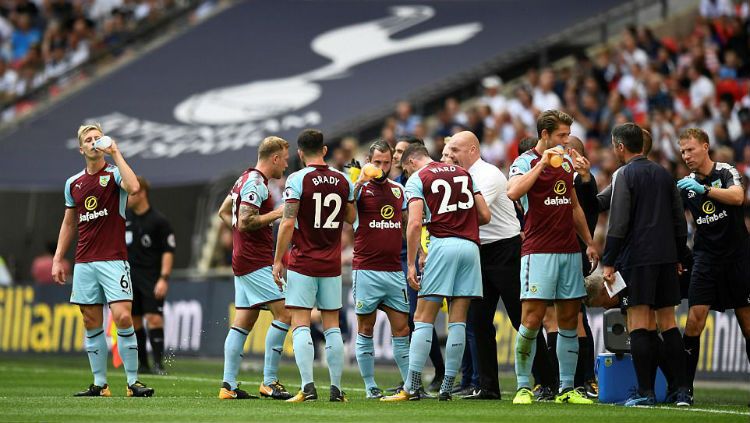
<point x="387" y="212"/>
<point x="104" y="180"/>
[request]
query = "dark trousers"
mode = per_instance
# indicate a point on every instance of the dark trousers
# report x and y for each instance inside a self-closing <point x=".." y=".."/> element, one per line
<point x="501" y="266"/>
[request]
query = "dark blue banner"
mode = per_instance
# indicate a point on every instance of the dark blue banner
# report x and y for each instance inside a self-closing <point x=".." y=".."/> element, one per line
<point x="196" y="107"/>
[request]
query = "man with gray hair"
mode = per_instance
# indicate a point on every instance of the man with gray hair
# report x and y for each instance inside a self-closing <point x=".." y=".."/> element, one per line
<point x="500" y="258"/>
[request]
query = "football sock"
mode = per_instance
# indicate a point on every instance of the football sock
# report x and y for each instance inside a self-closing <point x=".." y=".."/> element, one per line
<point x="436" y="355"/>
<point x="541" y="367"/>
<point x="583" y="356"/>
<point x="401" y="354"/>
<point x="653" y="337"/>
<point x="127" y="346"/>
<point x="156" y="336"/>
<point x="274" y="347"/>
<point x="747" y="348"/>
<point x="662" y="359"/>
<point x="676" y="353"/>
<point x="304" y="353"/>
<point x="640" y="347"/>
<point x="365" y="352"/>
<point x="97" y="350"/>
<point x="692" y="355"/>
<point x="421" y="339"/>
<point x="140" y="337"/>
<point x="552" y="352"/>
<point x="525" y="351"/>
<point x="454" y="352"/>
<point x="567" y="355"/>
<point x="334" y="355"/>
<point x="233" y="347"/>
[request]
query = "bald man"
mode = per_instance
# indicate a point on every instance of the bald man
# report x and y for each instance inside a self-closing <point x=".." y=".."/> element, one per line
<point x="500" y="257"/>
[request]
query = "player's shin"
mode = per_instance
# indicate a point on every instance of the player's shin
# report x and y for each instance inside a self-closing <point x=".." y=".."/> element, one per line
<point x="421" y="340"/>
<point x="274" y="347"/>
<point x="401" y="354"/>
<point x="156" y="337"/>
<point x="233" y="347"/>
<point x="96" y="348"/>
<point x="334" y="355"/>
<point x="567" y="355"/>
<point x="304" y="353"/>
<point x="127" y="346"/>
<point x="525" y="351"/>
<point x="454" y="351"/>
<point x="365" y="352"/>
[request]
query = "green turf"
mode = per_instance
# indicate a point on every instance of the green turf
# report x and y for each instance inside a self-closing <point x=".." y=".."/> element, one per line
<point x="40" y="389"/>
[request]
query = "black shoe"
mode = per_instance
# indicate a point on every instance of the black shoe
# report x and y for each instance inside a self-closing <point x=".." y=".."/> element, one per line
<point x="138" y="389"/>
<point x="445" y="396"/>
<point x="95" y="391"/>
<point x="337" y="395"/>
<point x="481" y="394"/>
<point x="435" y="385"/>
<point x="422" y="394"/>
<point x="158" y="369"/>
<point x="683" y="398"/>
<point x="274" y="390"/>
<point x="469" y="390"/>
<point x="395" y="388"/>
<point x="545" y="393"/>
<point x="591" y="388"/>
<point x="226" y="392"/>
<point x="308" y="393"/>
<point x="374" y="393"/>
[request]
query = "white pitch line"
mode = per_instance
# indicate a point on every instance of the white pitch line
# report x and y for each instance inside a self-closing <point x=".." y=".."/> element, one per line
<point x="505" y="393"/>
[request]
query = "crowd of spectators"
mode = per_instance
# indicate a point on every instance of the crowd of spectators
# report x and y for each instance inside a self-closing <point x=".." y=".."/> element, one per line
<point x="665" y="84"/>
<point x="42" y="40"/>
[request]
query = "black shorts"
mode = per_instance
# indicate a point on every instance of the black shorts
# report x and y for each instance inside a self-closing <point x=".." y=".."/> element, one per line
<point x="721" y="285"/>
<point x="143" y="295"/>
<point x="654" y="285"/>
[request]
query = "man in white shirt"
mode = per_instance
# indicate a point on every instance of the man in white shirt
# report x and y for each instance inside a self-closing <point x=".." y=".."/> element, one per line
<point x="500" y="254"/>
<point x="544" y="97"/>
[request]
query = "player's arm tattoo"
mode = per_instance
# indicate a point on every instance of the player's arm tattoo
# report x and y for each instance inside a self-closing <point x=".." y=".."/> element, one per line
<point x="249" y="218"/>
<point x="290" y="210"/>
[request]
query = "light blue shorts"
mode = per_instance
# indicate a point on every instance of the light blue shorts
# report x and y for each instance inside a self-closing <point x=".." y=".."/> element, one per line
<point x="101" y="282"/>
<point x="452" y="269"/>
<point x="304" y="291"/>
<point x="552" y="277"/>
<point x="256" y="289"/>
<point x="373" y="289"/>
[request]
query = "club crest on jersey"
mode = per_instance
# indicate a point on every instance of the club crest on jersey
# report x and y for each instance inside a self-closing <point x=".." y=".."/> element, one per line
<point x="396" y="192"/>
<point x="716" y="184"/>
<point x="566" y="166"/>
<point x="104" y="180"/>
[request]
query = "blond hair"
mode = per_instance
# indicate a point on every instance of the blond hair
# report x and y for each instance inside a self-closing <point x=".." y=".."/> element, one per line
<point x="695" y="133"/>
<point x="84" y="129"/>
<point x="270" y="146"/>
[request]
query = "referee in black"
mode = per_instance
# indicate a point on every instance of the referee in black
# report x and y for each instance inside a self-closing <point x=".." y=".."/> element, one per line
<point x="720" y="280"/>
<point x="646" y="237"/>
<point x="151" y="246"/>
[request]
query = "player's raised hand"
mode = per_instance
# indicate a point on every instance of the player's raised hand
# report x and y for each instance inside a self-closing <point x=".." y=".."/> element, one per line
<point x="58" y="272"/>
<point x="549" y="154"/>
<point x="580" y="163"/>
<point x="278" y="275"/>
<point x="411" y="277"/>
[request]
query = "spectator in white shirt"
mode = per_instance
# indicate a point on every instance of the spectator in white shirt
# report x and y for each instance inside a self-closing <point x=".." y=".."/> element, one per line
<point x="492" y="97"/>
<point x="544" y="97"/>
<point x="702" y="89"/>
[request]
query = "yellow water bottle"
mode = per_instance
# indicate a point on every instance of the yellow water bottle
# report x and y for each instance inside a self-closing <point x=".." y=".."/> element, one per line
<point x="354" y="170"/>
